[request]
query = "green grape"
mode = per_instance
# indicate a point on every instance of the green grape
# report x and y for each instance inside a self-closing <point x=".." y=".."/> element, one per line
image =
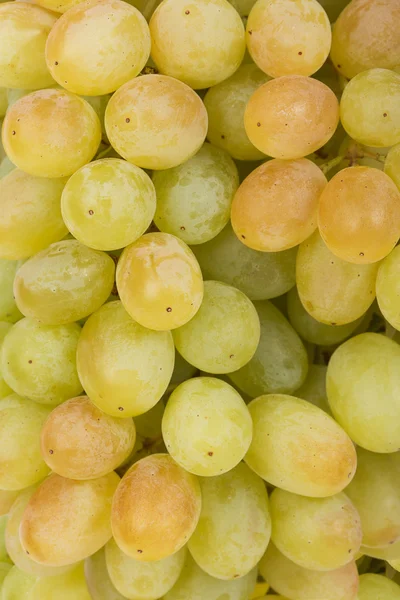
<point x="194" y="199"/>
<point x="299" y="448"/>
<point x="288" y="37"/>
<point x="285" y="577"/>
<point x="98" y="580"/>
<point x="108" y="203"/>
<point x="232" y="536"/>
<point x="51" y="133"/>
<point x="197" y="585"/>
<point x="69" y="586"/>
<point x="66" y="521"/>
<point x="5" y="389"/>
<point x="377" y="587"/>
<point x="389" y="553"/>
<point x="314" y="387"/>
<point x="17" y="585"/>
<point x="155" y="509"/>
<point x="4" y="558"/>
<point x="392" y="164"/>
<point x="387" y="288"/>
<point x="64" y="283"/>
<point x="24" y="28"/>
<point x="243" y="6"/>
<point x="124" y="367"/>
<point x="139" y="580"/>
<point x="224" y="334"/>
<point x="142" y="126"/>
<point x="333" y="8"/>
<point x="369" y="109"/>
<point x="199" y="43"/>
<point x="321" y="534"/>
<point x="5" y="568"/>
<point x="206" y="426"/>
<point x="14" y="95"/>
<point x="365" y="403"/>
<point x="333" y="291"/>
<point x="182" y="371"/>
<point x="21" y="463"/>
<point x="259" y="275"/>
<point x="7" y="499"/>
<point x="225" y="104"/>
<point x="3" y="102"/>
<point x="280" y="362"/>
<point x="39" y="361"/>
<point x="79" y="441"/>
<point x="6" y="166"/>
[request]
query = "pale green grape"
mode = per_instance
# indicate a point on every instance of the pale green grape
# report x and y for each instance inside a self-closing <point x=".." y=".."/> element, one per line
<point x="39" y="361"/>
<point x="3" y="101"/>
<point x="124" y="367"/>
<point x="6" y="166"/>
<point x="108" y="204"/>
<point x="5" y="389"/>
<point x="182" y="371"/>
<point x="315" y="533"/>
<point x="392" y="164"/>
<point x="24" y="28"/>
<point x="98" y="580"/>
<point x="280" y="362"/>
<point x="387" y="288"/>
<point x="51" y="133"/>
<point x="194" y="199"/>
<point x="4" y="558"/>
<point x="17" y="585"/>
<point x="314" y="387"/>
<point x="225" y="332"/>
<point x="232" y="535"/>
<point x="64" y="283"/>
<point x="259" y="275"/>
<point x="389" y="553"/>
<point x="139" y="580"/>
<point x="295" y="582"/>
<point x="5" y="568"/>
<point x="21" y="463"/>
<point x="312" y="330"/>
<point x="206" y="426"/>
<point x="299" y="448"/>
<point x="365" y="399"/>
<point x="377" y="587"/>
<point x="333" y="8"/>
<point x="14" y="95"/>
<point x="69" y="586"/>
<point x="333" y="291"/>
<point x="225" y="104"/>
<point x="7" y="499"/>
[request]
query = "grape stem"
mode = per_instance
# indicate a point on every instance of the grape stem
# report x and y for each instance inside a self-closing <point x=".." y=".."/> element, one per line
<point x="331" y="164"/>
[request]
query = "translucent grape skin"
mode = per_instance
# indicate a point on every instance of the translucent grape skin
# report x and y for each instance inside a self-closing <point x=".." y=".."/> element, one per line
<point x="64" y="283"/>
<point x="155" y="509"/>
<point x="275" y="208"/>
<point x="387" y="288"/>
<point x="156" y="122"/>
<point x="373" y="586"/>
<point x="288" y="37"/>
<point x="299" y="448"/>
<point x="24" y="28"/>
<point x="108" y="204"/>
<point x="291" y="117"/>
<point x="98" y="580"/>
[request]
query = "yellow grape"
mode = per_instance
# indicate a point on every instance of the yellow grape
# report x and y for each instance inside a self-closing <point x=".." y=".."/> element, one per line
<point x="24" y="28"/>
<point x="156" y="122"/>
<point x="51" y="133"/>
<point x="275" y="208"/>
<point x="159" y="281"/>
<point x="200" y="43"/>
<point x="375" y="587"/>
<point x="155" y="509"/>
<point x="68" y="586"/>
<point x="7" y="499"/>
<point x="98" y="580"/>
<point x="66" y="520"/>
<point x="288" y="37"/>
<point x="291" y="117"/>
<point x="388" y="288"/>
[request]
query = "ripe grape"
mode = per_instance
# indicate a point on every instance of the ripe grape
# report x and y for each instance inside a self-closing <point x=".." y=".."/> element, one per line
<point x="17" y="585"/>
<point x="7" y="499"/>
<point x="387" y="288"/>
<point x="373" y="586"/>
<point x="72" y="585"/>
<point x="98" y="580"/>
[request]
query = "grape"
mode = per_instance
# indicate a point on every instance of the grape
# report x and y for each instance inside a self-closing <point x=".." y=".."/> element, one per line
<point x="332" y="290"/>
<point x="3" y="101"/>
<point x="156" y="122"/>
<point x="194" y="199"/>
<point x="225" y="104"/>
<point x="365" y="36"/>
<point x="5" y="568"/>
<point x="108" y="204"/>
<point x="148" y="424"/>
<point x="114" y="38"/>
<point x="61" y="513"/>
<point x="333" y="8"/>
<point x="155" y="509"/>
<point x="30" y="214"/>
<point x="98" y="580"/>
<point x="69" y="586"/>
<point x="291" y="117"/>
<point x="17" y="585"/>
<point x="314" y="387"/>
<point x="139" y="580"/>
<point x="64" y="283"/>
<point x="201" y="43"/>
<point x="288" y="37"/>
<point x="387" y="288"/>
<point x="223" y="545"/>
<point x="7" y="499"/>
<point x="159" y="281"/>
<point x="21" y="463"/>
<point x="280" y="363"/>
<point x="206" y="426"/>
<point x="321" y="534"/>
<point x="224" y="334"/>
<point x="81" y="442"/>
<point x="4" y="558"/>
<point x="369" y="108"/>
<point x="299" y="448"/>
<point x="364" y="402"/>
<point x="298" y="583"/>
<point x="51" y="133"/>
<point x="375" y="587"/>
<point x="5" y="390"/>
<point x="38" y="361"/>
<point x="275" y="208"/>
<point x="392" y="164"/>
<point x="389" y="553"/>
<point x="259" y="275"/>
<point x="24" y="28"/>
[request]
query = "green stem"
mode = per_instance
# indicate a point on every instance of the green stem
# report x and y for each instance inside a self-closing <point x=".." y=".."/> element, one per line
<point x="331" y="164"/>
